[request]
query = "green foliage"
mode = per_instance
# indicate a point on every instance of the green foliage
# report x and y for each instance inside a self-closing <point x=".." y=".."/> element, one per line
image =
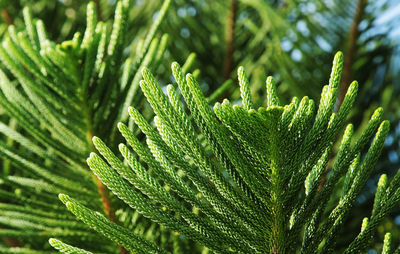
<point x="65" y="248"/>
<point x="64" y="18"/>
<point x="56" y="97"/>
<point x="237" y="179"/>
<point x="260" y="177"/>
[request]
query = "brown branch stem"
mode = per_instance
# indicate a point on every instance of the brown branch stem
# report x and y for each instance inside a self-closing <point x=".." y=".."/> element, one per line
<point x="11" y="242"/>
<point x="6" y="16"/>
<point x="98" y="8"/>
<point x="230" y="39"/>
<point x="103" y="193"/>
<point x="106" y="201"/>
<point x="100" y="186"/>
<point x="347" y="66"/>
<point x="107" y="207"/>
<point x="351" y="49"/>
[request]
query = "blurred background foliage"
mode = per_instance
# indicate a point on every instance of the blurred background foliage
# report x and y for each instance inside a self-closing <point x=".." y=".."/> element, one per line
<point x="65" y="17"/>
<point x="293" y="40"/>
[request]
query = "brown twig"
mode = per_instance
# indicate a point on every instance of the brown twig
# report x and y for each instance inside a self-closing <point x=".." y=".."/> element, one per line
<point x="11" y="242"/>
<point x="107" y="207"/>
<point x="349" y="56"/>
<point x="106" y="201"/>
<point x="100" y="186"/>
<point x="230" y="39"/>
<point x="98" y="8"/>
<point x="347" y="66"/>
<point x="6" y="16"/>
<point x="123" y="250"/>
<point x="104" y="195"/>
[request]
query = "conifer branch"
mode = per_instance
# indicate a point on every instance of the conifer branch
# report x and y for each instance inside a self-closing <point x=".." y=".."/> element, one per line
<point x="273" y="158"/>
<point x="66" y="248"/>
<point x="58" y="95"/>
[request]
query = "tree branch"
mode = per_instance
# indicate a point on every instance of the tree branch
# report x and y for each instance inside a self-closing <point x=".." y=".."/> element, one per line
<point x="11" y="242"/>
<point x="347" y="66"/>
<point x="98" y="7"/>
<point x="351" y="49"/>
<point x="101" y="187"/>
<point x="6" y="16"/>
<point x="230" y="39"/>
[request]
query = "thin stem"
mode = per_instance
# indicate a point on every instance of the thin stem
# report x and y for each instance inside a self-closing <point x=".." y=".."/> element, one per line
<point x="352" y="47"/>
<point x="6" y="16"/>
<point x="347" y="65"/>
<point x="98" y="7"/>
<point x="278" y="233"/>
<point x="10" y="141"/>
<point x="230" y="39"/>
<point x="100" y="186"/>
<point x="11" y="242"/>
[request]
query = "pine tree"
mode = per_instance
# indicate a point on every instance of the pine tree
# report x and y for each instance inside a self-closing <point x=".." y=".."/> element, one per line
<point x="190" y="178"/>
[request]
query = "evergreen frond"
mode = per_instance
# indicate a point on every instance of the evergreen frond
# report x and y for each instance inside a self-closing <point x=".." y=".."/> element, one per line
<point x="241" y="180"/>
